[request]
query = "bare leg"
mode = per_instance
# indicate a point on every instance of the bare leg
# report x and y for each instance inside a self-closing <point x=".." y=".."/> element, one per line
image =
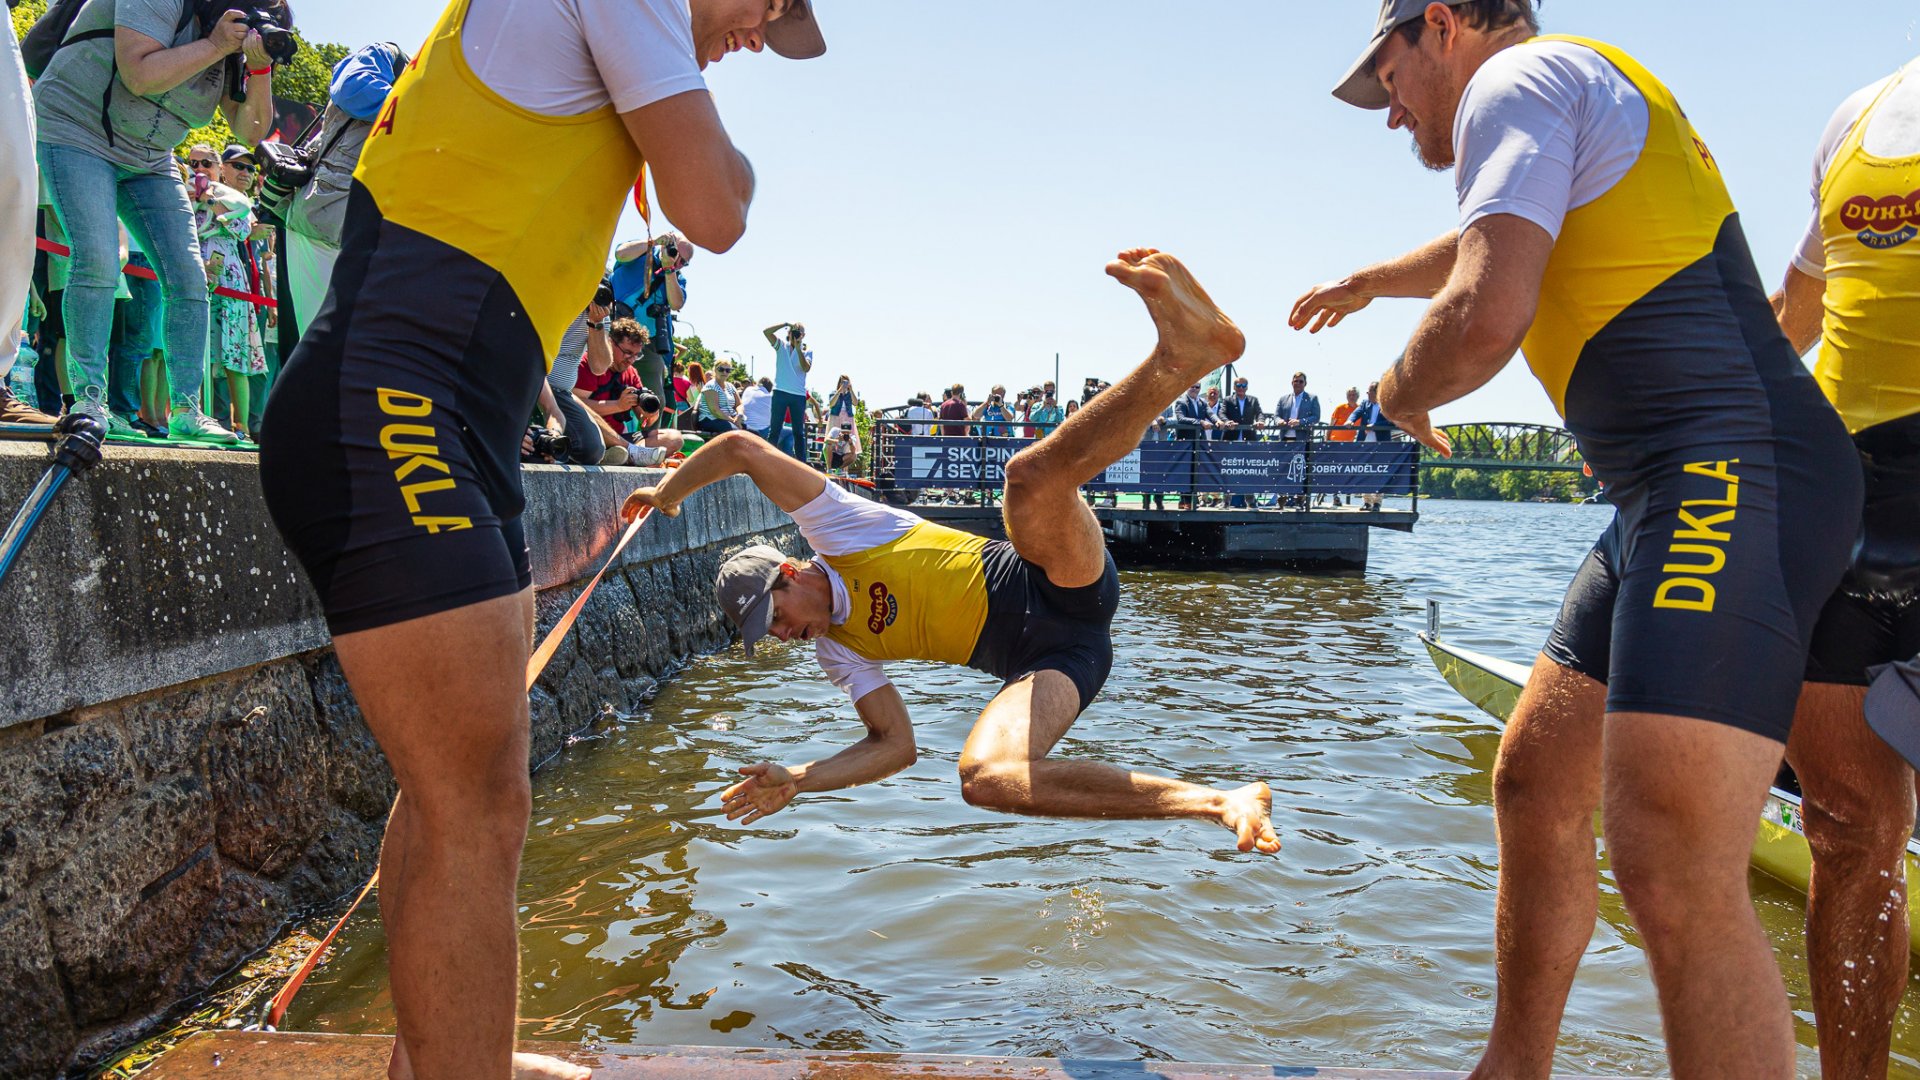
<point x="1004" y="766"/>
<point x="456" y="736"/>
<point x="1682" y="796"/>
<point x="1546" y="786"/>
<point x="1045" y="519"/>
<point x="1859" y="804"/>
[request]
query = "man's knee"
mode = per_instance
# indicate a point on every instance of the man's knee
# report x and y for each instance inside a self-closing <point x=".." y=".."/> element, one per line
<point x="1853" y="822"/>
<point x="489" y="806"/>
<point x="991" y="784"/>
<point x="1528" y="789"/>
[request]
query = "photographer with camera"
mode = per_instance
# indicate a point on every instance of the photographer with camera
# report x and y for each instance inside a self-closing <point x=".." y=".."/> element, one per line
<point x="649" y="287"/>
<point x="623" y="400"/>
<point x="125" y="83"/>
<point x="306" y="185"/>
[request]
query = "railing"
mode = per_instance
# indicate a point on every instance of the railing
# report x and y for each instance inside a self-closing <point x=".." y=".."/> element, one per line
<point x="1251" y="465"/>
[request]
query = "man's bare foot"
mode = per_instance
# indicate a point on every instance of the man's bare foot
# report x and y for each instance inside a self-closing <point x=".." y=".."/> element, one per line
<point x="1249" y="813"/>
<point x="542" y="1067"/>
<point x="1193" y="331"/>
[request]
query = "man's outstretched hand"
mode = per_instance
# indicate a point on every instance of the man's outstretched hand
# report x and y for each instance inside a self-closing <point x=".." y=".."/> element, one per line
<point x="766" y="789"/>
<point x="1420" y="426"/>
<point x="1326" y="304"/>
<point x="643" y="498"/>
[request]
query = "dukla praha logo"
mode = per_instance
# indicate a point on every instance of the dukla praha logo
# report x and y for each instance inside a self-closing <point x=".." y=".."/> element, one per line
<point x="1882" y="223"/>
<point x="885" y="608"/>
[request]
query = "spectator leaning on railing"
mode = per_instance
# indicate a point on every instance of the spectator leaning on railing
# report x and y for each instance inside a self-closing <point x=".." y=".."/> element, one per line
<point x="131" y="79"/>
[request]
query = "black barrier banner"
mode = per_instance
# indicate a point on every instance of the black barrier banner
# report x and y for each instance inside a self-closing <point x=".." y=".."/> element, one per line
<point x="1363" y="468"/>
<point x="1180" y="465"/>
<point x="1155" y="466"/>
<point x="923" y="461"/>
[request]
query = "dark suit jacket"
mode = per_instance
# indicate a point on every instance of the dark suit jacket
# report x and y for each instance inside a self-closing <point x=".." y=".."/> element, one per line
<point x="1246" y="416"/>
<point x="1188" y="413"/>
<point x="1309" y="414"/>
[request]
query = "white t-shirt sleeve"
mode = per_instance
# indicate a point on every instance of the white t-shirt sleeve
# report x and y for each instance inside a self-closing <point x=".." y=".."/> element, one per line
<point x="1811" y="259"/>
<point x="567" y="57"/>
<point x="644" y="49"/>
<point x="837" y="522"/>
<point x="1542" y="130"/>
<point x="848" y="670"/>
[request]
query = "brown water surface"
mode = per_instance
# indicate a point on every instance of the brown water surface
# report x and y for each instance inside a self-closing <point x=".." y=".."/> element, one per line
<point x="896" y="917"/>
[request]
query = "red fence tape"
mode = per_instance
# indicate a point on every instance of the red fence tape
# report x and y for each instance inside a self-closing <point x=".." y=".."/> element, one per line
<point x="142" y="272"/>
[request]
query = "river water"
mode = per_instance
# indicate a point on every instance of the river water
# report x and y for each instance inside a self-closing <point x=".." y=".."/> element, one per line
<point x="897" y="918"/>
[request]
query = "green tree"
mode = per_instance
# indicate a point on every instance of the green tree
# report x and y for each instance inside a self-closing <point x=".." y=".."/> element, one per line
<point x="25" y="14"/>
<point x="692" y="350"/>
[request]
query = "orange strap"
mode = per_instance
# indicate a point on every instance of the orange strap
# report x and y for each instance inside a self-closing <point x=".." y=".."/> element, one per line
<point x="537" y="663"/>
<point x="142" y="272"/>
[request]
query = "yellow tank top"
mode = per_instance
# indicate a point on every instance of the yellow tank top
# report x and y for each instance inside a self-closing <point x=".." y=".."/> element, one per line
<point x="1663" y="216"/>
<point x="1869" y="363"/>
<point x="534" y="197"/>
<point x="920" y="597"/>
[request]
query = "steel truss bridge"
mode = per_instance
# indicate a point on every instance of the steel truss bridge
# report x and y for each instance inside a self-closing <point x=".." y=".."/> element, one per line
<point x="1535" y="447"/>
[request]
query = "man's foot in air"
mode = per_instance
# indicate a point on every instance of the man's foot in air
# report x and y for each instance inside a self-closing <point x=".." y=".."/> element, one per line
<point x="1249" y="813"/>
<point x="188" y="422"/>
<point x="1194" y="335"/>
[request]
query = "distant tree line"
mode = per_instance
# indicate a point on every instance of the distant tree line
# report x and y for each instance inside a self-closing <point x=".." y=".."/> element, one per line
<point x="1505" y="485"/>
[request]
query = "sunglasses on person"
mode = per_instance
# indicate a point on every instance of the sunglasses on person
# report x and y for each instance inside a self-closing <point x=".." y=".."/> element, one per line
<point x="201" y="163"/>
<point x="242" y="168"/>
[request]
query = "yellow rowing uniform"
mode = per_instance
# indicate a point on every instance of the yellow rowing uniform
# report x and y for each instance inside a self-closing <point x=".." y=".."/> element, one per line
<point x="1869" y="363"/>
<point x="922" y="596"/>
<point x="534" y="197"/>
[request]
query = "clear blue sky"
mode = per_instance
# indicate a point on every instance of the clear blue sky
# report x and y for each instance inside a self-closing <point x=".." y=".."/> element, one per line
<point x="938" y="193"/>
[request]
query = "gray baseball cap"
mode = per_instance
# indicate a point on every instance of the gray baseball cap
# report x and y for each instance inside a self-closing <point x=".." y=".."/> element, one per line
<point x="745" y="590"/>
<point x="1360" y="87"/>
<point x="795" y="35"/>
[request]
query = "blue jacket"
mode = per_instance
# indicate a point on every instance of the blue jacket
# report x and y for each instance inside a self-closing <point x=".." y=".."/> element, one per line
<point x="1309" y="414"/>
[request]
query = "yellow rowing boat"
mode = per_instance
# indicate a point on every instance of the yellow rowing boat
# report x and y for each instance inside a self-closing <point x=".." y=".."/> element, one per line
<point x="1780" y="844"/>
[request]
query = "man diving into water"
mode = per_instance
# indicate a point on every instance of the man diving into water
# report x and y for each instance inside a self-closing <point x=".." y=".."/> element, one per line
<point x="1034" y="609"/>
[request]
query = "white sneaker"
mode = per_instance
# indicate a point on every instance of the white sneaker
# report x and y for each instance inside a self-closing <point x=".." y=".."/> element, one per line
<point x="189" y="423"/>
<point x="647" y="457"/>
<point x="96" y="412"/>
<point x="614" y="455"/>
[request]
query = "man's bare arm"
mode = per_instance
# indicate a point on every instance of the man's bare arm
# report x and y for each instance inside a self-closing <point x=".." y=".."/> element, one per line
<point x="772" y="339"/>
<point x="788" y="483"/>
<point x="704" y="184"/>
<point x="599" y="352"/>
<point x="1800" y="307"/>
<point x="1421" y="272"/>
<point x="1473" y="327"/>
<point x="887" y="749"/>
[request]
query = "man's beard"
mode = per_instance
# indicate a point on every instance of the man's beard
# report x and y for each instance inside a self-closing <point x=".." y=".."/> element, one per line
<point x="1429" y="163"/>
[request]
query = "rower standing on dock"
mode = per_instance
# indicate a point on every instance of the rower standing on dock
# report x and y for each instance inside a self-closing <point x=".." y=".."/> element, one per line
<point x="481" y="211"/>
<point x="1035" y="609"/>
<point x="1597" y="235"/>
<point x="1854" y="287"/>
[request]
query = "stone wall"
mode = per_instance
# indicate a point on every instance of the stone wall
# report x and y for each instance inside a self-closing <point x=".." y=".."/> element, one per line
<point x="182" y="767"/>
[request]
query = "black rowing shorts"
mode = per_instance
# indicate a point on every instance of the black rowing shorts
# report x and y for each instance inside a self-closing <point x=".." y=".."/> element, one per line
<point x="1873" y="618"/>
<point x="1034" y="625"/>
<point x="390" y="447"/>
<point x="1700" y="599"/>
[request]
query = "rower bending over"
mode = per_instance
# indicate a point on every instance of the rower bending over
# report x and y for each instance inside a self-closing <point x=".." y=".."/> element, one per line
<point x="1035" y="609"/>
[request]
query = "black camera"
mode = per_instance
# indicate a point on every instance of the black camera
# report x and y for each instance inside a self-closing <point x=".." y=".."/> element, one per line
<point x="672" y="249"/>
<point x="546" y="445"/>
<point x="277" y="40"/>
<point x="648" y="403"/>
<point x="284" y="170"/>
<point x="603" y="296"/>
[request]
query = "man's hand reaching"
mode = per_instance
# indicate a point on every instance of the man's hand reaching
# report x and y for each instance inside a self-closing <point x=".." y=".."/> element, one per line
<point x="1326" y="304"/>
<point x="643" y="498"/>
<point x="766" y="789"/>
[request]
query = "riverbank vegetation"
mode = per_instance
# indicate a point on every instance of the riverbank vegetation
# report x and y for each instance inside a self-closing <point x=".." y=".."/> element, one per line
<point x="1506" y="485"/>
